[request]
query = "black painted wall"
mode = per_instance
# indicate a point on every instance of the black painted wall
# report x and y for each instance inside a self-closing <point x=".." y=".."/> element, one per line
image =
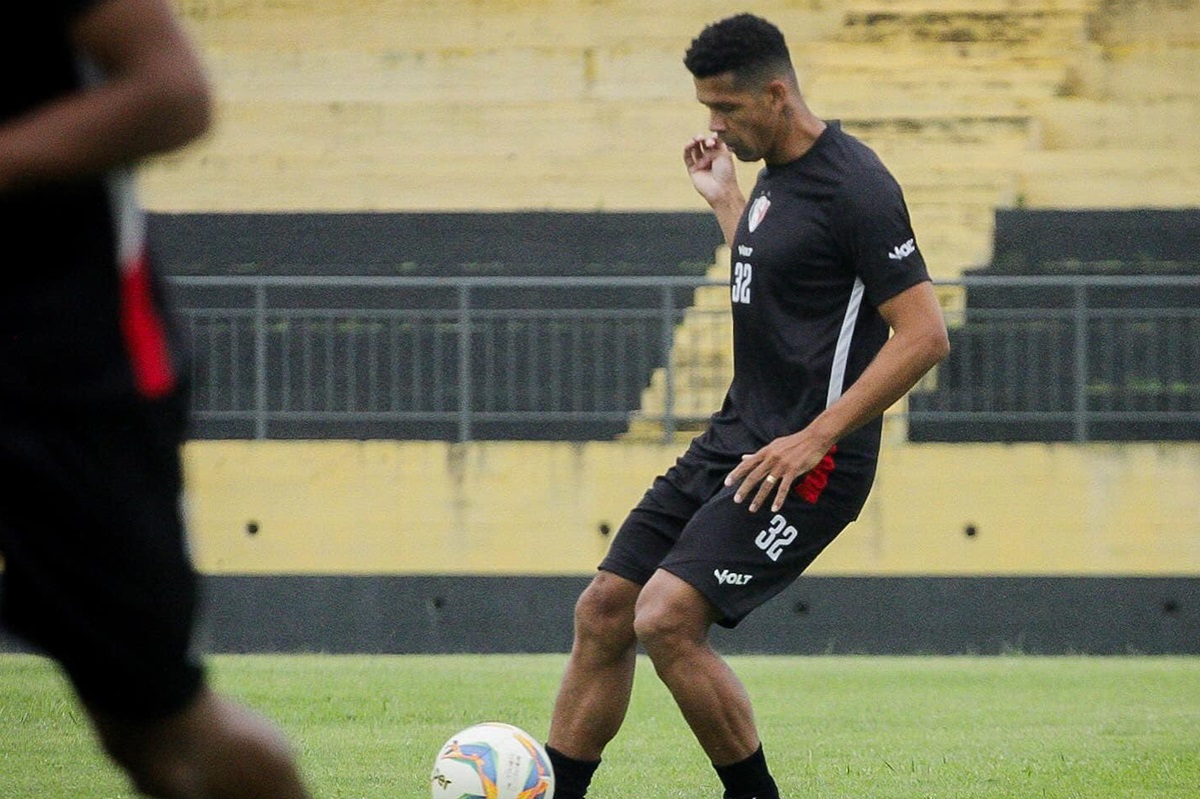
<point x="876" y="615"/>
<point x="817" y="615"/>
<point x="608" y="380"/>
<point x="500" y="243"/>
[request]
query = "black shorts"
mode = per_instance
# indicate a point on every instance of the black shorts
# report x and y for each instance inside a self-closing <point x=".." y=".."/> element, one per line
<point x="689" y="525"/>
<point x="97" y="573"/>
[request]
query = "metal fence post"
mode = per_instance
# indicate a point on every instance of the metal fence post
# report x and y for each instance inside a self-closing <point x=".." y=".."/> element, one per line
<point x="260" y="361"/>
<point x="464" y="362"/>
<point x="668" y="335"/>
<point x="1081" y="361"/>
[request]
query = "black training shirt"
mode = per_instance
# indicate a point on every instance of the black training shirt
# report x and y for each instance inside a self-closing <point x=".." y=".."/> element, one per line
<point x="81" y="316"/>
<point x="823" y="241"/>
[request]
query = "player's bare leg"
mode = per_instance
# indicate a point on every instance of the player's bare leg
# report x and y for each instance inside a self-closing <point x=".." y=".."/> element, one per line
<point x="598" y="680"/>
<point x="213" y="749"/>
<point x="672" y="623"/>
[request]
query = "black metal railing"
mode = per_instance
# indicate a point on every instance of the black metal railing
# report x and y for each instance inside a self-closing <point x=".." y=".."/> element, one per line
<point x="463" y="358"/>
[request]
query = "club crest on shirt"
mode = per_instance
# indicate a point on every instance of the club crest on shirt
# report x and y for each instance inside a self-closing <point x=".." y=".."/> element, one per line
<point x="758" y="210"/>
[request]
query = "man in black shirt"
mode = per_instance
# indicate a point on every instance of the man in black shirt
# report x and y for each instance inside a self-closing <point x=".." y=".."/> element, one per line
<point x="93" y="398"/>
<point x="824" y="263"/>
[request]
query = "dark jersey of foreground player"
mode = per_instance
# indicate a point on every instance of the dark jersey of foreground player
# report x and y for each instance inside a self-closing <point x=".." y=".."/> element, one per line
<point x="824" y="240"/>
<point x="81" y="316"/>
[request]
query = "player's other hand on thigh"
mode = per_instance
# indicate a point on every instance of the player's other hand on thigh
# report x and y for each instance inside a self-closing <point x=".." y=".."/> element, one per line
<point x="770" y="472"/>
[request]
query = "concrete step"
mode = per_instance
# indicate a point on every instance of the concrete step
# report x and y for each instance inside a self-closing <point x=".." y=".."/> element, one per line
<point x="392" y="129"/>
<point x="689" y="406"/>
<point x="216" y="182"/>
<point x="711" y="299"/>
<point x="270" y="124"/>
<point x="930" y="182"/>
<point x="1158" y="22"/>
<point x="941" y="131"/>
<point x="845" y="98"/>
<point x="948" y="251"/>
<point x="1077" y="123"/>
<point x="962" y="22"/>
<point x="701" y="355"/>
<point x="913" y="7"/>
<point x="471" y="24"/>
<point x="968" y="60"/>
<point x="833" y="54"/>
<point x="1002" y="93"/>
<point x="550" y="72"/>
<point x="695" y="398"/>
<point x="1148" y="72"/>
<point x="1111" y="178"/>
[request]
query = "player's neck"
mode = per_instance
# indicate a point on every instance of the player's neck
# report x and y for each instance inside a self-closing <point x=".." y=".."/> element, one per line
<point x="802" y="131"/>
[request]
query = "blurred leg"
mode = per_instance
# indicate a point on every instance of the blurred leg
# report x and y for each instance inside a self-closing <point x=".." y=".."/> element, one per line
<point x="213" y="749"/>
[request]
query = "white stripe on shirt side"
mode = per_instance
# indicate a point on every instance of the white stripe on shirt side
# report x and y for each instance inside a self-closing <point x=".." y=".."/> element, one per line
<point x="128" y="217"/>
<point x="841" y="352"/>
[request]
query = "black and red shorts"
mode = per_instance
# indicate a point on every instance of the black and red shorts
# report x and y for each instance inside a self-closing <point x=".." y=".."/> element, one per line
<point x="96" y="569"/>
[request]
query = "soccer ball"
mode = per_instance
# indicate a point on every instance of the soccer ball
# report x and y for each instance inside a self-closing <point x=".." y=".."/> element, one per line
<point x="492" y="761"/>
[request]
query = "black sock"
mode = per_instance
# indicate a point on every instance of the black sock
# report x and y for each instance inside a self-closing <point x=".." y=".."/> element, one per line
<point x="571" y="776"/>
<point x="748" y="779"/>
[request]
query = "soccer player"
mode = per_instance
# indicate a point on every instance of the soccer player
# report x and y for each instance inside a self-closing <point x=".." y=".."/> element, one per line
<point x="93" y="399"/>
<point x="824" y="264"/>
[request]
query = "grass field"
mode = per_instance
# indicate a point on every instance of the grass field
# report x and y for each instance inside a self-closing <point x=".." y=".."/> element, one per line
<point x="367" y="727"/>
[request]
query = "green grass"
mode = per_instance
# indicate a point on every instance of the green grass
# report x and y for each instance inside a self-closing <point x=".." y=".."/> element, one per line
<point x="852" y="727"/>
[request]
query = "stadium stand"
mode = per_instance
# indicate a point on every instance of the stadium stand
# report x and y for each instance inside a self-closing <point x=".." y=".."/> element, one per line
<point x="334" y="108"/>
<point x="328" y="106"/>
<point x="580" y="107"/>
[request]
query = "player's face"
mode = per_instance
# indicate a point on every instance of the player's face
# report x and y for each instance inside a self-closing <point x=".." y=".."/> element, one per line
<point x="745" y="118"/>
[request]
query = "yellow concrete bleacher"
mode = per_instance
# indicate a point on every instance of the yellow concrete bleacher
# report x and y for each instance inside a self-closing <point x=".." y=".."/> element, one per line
<point x="458" y="105"/>
<point x="583" y="105"/>
<point x="1123" y="136"/>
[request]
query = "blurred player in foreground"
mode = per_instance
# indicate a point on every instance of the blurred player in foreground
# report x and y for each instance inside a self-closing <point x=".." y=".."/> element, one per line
<point x="93" y="401"/>
<point x="824" y="264"/>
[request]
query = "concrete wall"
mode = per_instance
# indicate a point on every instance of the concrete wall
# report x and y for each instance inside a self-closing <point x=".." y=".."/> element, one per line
<point x="387" y="507"/>
<point x="429" y="547"/>
<point x="394" y="546"/>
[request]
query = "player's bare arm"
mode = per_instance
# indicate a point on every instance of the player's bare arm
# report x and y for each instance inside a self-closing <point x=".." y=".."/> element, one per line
<point x="710" y="165"/>
<point x="918" y="342"/>
<point x="154" y="97"/>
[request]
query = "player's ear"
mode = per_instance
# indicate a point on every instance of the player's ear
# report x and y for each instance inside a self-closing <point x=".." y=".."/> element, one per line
<point x="777" y="92"/>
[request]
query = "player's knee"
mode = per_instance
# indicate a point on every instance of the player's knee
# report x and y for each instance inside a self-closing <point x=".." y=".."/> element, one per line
<point x="656" y="628"/>
<point x="604" y="612"/>
<point x="666" y="623"/>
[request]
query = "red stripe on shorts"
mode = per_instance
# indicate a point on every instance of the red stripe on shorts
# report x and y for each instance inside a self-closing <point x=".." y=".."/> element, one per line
<point x="815" y="481"/>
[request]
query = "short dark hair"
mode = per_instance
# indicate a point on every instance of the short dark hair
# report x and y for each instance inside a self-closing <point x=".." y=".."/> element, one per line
<point x="744" y="44"/>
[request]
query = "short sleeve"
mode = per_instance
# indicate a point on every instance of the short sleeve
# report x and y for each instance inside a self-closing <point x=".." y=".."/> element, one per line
<point x="877" y="235"/>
